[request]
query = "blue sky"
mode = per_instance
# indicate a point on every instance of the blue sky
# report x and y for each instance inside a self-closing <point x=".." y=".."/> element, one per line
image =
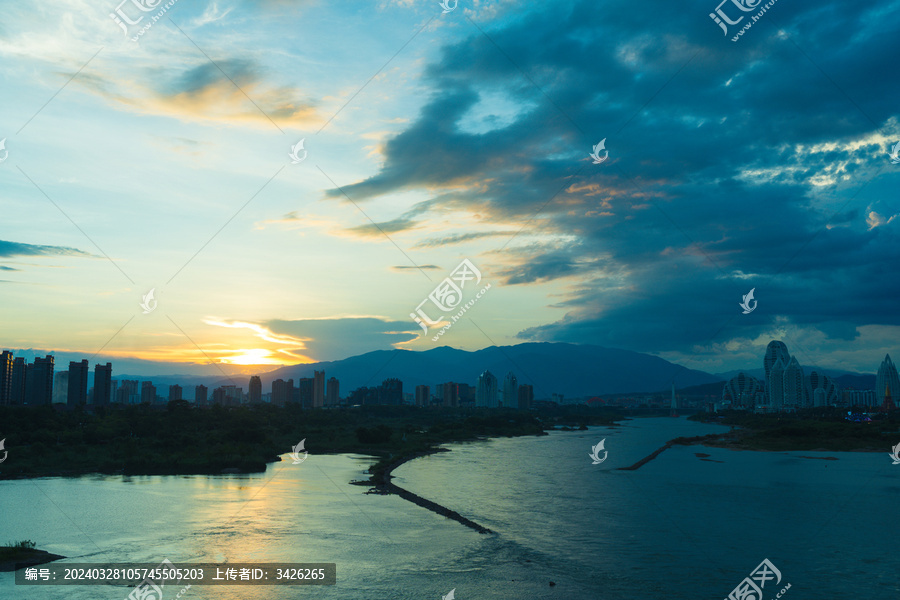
<point x="163" y="164"/>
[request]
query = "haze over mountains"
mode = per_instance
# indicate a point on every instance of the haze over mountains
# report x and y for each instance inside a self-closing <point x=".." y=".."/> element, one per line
<point x="569" y="369"/>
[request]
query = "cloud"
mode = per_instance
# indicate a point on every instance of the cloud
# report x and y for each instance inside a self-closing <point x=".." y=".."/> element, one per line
<point x="9" y="249"/>
<point x="329" y="339"/>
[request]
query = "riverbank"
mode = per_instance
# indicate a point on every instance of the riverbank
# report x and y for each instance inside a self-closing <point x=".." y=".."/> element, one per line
<point x="180" y="439"/>
<point x="22" y="555"/>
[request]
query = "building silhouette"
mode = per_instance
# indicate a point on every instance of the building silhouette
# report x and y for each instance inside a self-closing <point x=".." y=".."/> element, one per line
<point x="255" y="389"/>
<point x="148" y="392"/>
<point x="200" y="395"/>
<point x="17" y="389"/>
<point x="39" y="381"/>
<point x="78" y="383"/>
<point x="102" y="384"/>
<point x="6" y="366"/>
<point x="449" y="394"/>
<point x="305" y="391"/>
<point x="886" y="377"/>
<point x="219" y="396"/>
<point x="318" y="389"/>
<point x="423" y="395"/>
<point x="333" y="392"/>
<point x="822" y="391"/>
<point x="525" y="395"/>
<point x="391" y="391"/>
<point x="510" y="390"/>
<point x="175" y="392"/>
<point x="129" y="392"/>
<point x="486" y="390"/>
<point x="282" y="391"/>
<point x="61" y="387"/>
<point x="743" y="391"/>
<point x="775" y="351"/>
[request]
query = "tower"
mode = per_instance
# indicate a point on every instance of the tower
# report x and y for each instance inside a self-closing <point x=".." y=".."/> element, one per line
<point x="102" y="384"/>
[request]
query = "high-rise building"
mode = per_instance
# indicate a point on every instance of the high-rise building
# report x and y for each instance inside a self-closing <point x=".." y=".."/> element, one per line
<point x="319" y="389"/>
<point x="486" y="390"/>
<point x="510" y="390"/>
<point x="282" y="391"/>
<point x="821" y="391"/>
<point x="102" y="384"/>
<point x="391" y="391"/>
<point x="113" y="388"/>
<point x="886" y="376"/>
<point x="175" y="392"/>
<point x="200" y="395"/>
<point x="775" y="388"/>
<point x="39" y="381"/>
<point x="148" y="392"/>
<point x="17" y="389"/>
<point x="60" y="387"/>
<point x="255" y="389"/>
<point x="78" y="383"/>
<point x="6" y="365"/>
<point x="741" y="391"/>
<point x="423" y="395"/>
<point x="333" y="392"/>
<point x="775" y="351"/>
<point x="449" y="394"/>
<point x="525" y="395"/>
<point x="305" y="391"/>
<point x="794" y="384"/>
<point x="129" y="392"/>
<point x="219" y="396"/>
<point x="465" y="394"/>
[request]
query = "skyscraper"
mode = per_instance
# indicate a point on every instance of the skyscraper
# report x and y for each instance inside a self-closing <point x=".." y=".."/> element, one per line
<point x="255" y="389"/>
<point x="793" y="384"/>
<point x="526" y="396"/>
<point x="333" y="392"/>
<point x="886" y="376"/>
<point x="78" y="383"/>
<point x="510" y="390"/>
<point x="821" y="391"/>
<point x="17" y="389"/>
<point x="6" y="365"/>
<point x="102" y="384"/>
<point x="741" y="391"/>
<point x="391" y="391"/>
<point x="200" y="395"/>
<point x="61" y="387"/>
<point x="486" y="390"/>
<point x="774" y="351"/>
<point x="449" y="394"/>
<point x="148" y="392"/>
<point x="175" y="392"/>
<point x="319" y="389"/>
<point x="776" y="385"/>
<point x="282" y="391"/>
<point x="423" y="395"/>
<point x="39" y="381"/>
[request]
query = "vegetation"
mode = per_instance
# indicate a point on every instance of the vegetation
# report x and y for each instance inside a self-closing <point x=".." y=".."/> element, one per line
<point x="183" y="439"/>
<point x="821" y="428"/>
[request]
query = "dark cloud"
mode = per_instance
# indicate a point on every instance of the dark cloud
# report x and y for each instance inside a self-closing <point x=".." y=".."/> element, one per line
<point x="732" y="165"/>
<point x="377" y="229"/>
<point x="10" y="249"/>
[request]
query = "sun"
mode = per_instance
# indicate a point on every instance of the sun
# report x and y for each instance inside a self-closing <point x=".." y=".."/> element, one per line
<point x="253" y="356"/>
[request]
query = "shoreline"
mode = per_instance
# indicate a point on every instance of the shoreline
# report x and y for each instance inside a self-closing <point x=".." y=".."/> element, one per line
<point x="381" y="484"/>
<point x="28" y="558"/>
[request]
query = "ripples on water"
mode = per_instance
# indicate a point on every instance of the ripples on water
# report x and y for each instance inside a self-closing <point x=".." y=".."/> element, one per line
<point x="678" y="528"/>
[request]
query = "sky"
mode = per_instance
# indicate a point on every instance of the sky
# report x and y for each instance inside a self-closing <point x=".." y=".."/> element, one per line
<point x="168" y="160"/>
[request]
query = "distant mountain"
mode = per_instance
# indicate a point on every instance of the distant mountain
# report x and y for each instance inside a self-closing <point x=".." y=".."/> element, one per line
<point x="857" y="382"/>
<point x="569" y="369"/>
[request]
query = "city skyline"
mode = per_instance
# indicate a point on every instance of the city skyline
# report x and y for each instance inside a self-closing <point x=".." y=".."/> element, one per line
<point x="431" y="139"/>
